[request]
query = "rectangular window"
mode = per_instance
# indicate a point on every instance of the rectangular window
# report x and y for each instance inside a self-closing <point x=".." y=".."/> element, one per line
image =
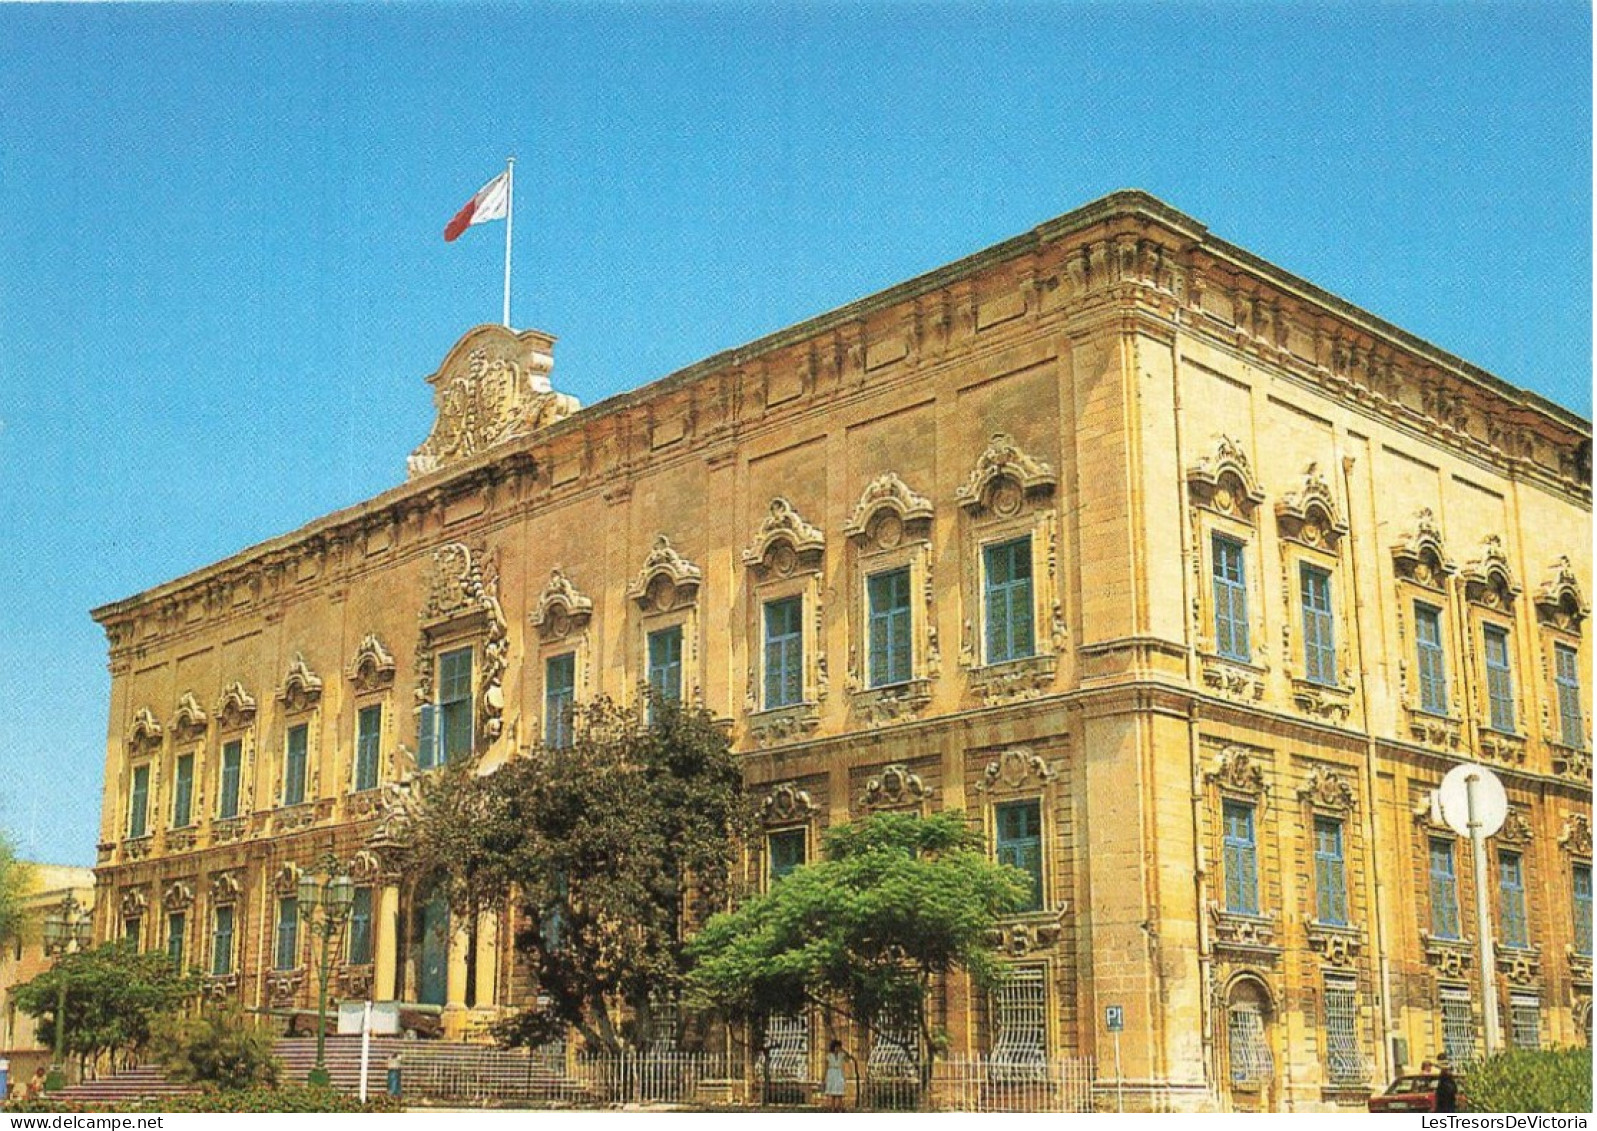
<point x="133" y="930"/>
<point x="183" y="792"/>
<point x="287" y="953"/>
<point x="1499" y="678"/>
<point x="1251" y="1061"/>
<point x="1511" y="927"/>
<point x="1241" y="859"/>
<point x="368" y="746"/>
<point x="1525" y="1020"/>
<point x="232" y="767"/>
<point x="1020" y="1025"/>
<point x="454" y="706"/>
<point x="1019" y="825"/>
<point x="559" y="695"/>
<point x="176" y="925"/>
<point x="1566" y="679"/>
<point x="888" y="597"/>
<point x="360" y="927"/>
<point x="1444" y="891"/>
<point x="784" y="652"/>
<point x="1330" y="872"/>
<point x="222" y="939"/>
<point x="1008" y="601"/>
<point x="665" y="663"/>
<point x="786" y="849"/>
<point x="1344" y="1062"/>
<point x="294" y="764"/>
<point x="1458" y="1026"/>
<point x="1319" y="635"/>
<point x="1230" y="600"/>
<point x="1581" y="883"/>
<point x="1431" y="661"/>
<point x="139" y="802"/>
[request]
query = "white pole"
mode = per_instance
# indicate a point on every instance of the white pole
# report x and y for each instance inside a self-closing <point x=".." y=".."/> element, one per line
<point x="1120" y="1099"/>
<point x="365" y="1047"/>
<point x="510" y="219"/>
<point x="1494" y="1037"/>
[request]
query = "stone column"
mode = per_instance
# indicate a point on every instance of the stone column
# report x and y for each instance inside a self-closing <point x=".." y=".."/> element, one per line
<point x="458" y="960"/>
<point x="385" y="955"/>
<point x="487" y="958"/>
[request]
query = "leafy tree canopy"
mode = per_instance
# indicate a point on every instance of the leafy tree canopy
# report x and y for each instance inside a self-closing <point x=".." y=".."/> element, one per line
<point x="113" y="995"/>
<point x="15" y="879"/>
<point x="218" y="1048"/>
<point x="607" y="848"/>
<point x="896" y="901"/>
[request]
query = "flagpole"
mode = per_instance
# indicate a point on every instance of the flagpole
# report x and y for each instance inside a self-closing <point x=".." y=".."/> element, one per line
<point x="510" y="217"/>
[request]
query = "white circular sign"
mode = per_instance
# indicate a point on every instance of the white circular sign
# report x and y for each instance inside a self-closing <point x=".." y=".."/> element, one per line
<point x="1491" y="803"/>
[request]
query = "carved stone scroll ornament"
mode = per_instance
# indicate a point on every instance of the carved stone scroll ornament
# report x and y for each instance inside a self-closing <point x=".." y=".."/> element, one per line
<point x="561" y="608"/>
<point x="1239" y="771"/>
<point x="1223" y="480"/>
<point x="666" y="580"/>
<point x="787" y="804"/>
<point x="1013" y="769"/>
<point x="896" y="785"/>
<point x="145" y="732"/>
<point x="301" y="688"/>
<point x="1559" y="603"/>
<point x="224" y="888"/>
<point x="1327" y="789"/>
<point x="134" y="903"/>
<point x="372" y="666"/>
<point x="178" y="896"/>
<point x="1420" y="556"/>
<point x="190" y="720"/>
<point x="236" y="707"/>
<point x="1003" y="478"/>
<point x="1309" y="514"/>
<point x="1516" y="828"/>
<point x="1575" y="837"/>
<point x="492" y="388"/>
<point x="1488" y="580"/>
<point x="784" y="541"/>
<point x="285" y="881"/>
<point x="886" y="510"/>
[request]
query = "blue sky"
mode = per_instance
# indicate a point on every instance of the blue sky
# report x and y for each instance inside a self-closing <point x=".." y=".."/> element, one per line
<point x="222" y="277"/>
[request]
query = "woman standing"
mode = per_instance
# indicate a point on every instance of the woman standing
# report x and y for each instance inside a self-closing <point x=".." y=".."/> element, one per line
<point x="832" y="1086"/>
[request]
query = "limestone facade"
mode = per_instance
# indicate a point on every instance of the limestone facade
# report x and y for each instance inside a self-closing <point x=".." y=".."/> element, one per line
<point x="24" y="958"/>
<point x="1185" y="579"/>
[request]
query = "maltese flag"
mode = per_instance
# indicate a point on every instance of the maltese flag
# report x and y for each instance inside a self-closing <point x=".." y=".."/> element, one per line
<point x="491" y="202"/>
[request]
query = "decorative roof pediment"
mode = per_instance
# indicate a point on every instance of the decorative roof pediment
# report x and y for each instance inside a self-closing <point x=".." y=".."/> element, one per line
<point x="145" y="730"/>
<point x="1309" y="514"/>
<point x="1003" y="478"/>
<point x="561" y="608"/>
<point x="1223" y="479"/>
<point x="1488" y="580"/>
<point x="1419" y="555"/>
<point x="886" y="495"/>
<point x="190" y="718"/>
<point x="667" y="579"/>
<point x="1558" y="599"/>
<point x="301" y="688"/>
<point x="492" y="387"/>
<point x="784" y="541"/>
<point x="372" y="666"/>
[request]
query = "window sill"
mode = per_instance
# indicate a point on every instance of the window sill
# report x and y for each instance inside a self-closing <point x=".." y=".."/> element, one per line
<point x="1238" y="679"/>
<point x="1332" y="702"/>
<point x="1502" y="746"/>
<point x="891" y="702"/>
<point x="783" y="724"/>
<point x="1012" y="680"/>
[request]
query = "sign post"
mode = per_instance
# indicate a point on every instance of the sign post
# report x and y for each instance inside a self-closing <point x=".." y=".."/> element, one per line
<point x="1474" y="804"/>
<point x="1114" y="1019"/>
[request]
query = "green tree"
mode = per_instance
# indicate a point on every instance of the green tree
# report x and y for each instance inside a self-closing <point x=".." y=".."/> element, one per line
<point x="1522" y="1080"/>
<point x="113" y="993"/>
<point x="607" y="848"/>
<point x="16" y="878"/>
<point x="896" y="902"/>
<point x="218" y="1048"/>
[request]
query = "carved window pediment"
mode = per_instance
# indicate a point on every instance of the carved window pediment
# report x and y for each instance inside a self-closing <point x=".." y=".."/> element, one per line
<point x="1575" y="837"/>
<point x="1325" y="788"/>
<point x="134" y="903"/>
<point x="785" y="543"/>
<point x="301" y="688"/>
<point x="236" y="708"/>
<point x="463" y="597"/>
<point x="889" y="513"/>
<point x="1488" y="580"/>
<point x="1419" y="555"/>
<point x="561" y="610"/>
<point x="1239" y="770"/>
<point x="224" y="888"/>
<point x="787" y="804"/>
<point x="1559" y="603"/>
<point x="1223" y="480"/>
<point x="365" y="867"/>
<point x="190" y="720"/>
<point x="145" y="733"/>
<point x="1309" y="514"/>
<point x="894" y="787"/>
<point x="1004" y="478"/>
<point x="178" y="896"/>
<point x="1017" y="768"/>
<point x="667" y="579"/>
<point x="373" y="665"/>
<point x="285" y="881"/>
<point x="1516" y="828"/>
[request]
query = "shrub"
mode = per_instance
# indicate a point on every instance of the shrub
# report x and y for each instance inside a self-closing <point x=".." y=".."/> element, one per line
<point x="217" y="1048"/>
<point x="292" y="1098"/>
<point x="1556" y="1080"/>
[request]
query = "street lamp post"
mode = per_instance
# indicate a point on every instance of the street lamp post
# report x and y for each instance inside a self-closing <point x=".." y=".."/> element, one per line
<point x="66" y="929"/>
<point x="326" y="897"/>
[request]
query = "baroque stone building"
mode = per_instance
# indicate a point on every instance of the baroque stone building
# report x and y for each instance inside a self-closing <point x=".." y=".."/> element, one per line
<point x="1185" y="579"/>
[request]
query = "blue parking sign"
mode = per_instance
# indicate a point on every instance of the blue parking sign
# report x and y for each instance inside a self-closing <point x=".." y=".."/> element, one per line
<point x="1114" y="1018"/>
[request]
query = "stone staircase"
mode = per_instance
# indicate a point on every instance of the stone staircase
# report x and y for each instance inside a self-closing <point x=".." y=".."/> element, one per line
<point x="144" y="1082"/>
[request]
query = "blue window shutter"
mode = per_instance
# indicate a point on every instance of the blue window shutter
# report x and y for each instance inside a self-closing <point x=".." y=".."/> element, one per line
<point x="427" y="738"/>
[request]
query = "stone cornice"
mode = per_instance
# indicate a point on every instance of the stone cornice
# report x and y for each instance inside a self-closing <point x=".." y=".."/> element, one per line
<point x="1127" y="243"/>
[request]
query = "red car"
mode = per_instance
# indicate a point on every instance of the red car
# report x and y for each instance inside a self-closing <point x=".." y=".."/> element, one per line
<point x="1416" y="1092"/>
